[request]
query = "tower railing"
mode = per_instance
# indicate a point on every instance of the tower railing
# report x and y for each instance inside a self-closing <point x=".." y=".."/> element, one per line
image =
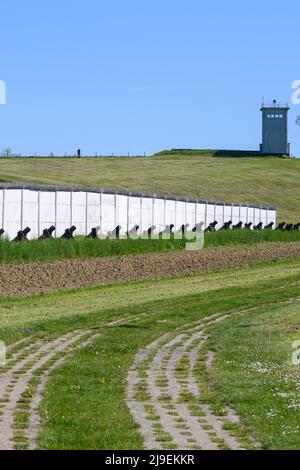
<point x="275" y="105"/>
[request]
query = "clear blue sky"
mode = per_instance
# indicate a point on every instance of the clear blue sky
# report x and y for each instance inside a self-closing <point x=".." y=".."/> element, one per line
<point x="135" y="76"/>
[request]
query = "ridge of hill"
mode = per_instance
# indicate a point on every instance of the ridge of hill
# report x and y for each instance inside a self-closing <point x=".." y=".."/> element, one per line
<point x="264" y="180"/>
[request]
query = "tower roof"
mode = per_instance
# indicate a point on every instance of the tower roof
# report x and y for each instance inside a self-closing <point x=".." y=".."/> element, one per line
<point x="275" y="105"/>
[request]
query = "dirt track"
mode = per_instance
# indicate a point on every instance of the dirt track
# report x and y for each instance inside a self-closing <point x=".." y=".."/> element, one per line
<point x="169" y="367"/>
<point x="36" y="278"/>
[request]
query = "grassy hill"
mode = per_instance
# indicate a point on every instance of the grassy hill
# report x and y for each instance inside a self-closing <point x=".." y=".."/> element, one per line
<point x="266" y="180"/>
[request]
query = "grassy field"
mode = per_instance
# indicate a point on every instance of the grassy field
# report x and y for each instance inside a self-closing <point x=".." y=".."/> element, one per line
<point x="95" y="414"/>
<point x="81" y="248"/>
<point x="267" y="180"/>
<point x="251" y="370"/>
<point x="254" y="368"/>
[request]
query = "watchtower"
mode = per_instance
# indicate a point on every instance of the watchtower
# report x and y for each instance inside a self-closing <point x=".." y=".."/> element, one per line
<point x="275" y="129"/>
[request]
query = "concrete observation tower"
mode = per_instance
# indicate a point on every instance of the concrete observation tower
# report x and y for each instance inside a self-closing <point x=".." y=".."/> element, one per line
<point x="275" y="129"/>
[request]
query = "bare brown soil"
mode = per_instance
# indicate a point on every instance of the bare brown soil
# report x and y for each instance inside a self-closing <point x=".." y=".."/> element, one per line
<point x="37" y="278"/>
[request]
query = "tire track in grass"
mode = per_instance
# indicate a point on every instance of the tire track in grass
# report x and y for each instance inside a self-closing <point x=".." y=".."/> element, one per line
<point x="164" y="420"/>
<point x="30" y="362"/>
<point x="164" y="396"/>
<point x="16" y="355"/>
<point x="14" y="400"/>
<point x="34" y="417"/>
<point x="18" y="345"/>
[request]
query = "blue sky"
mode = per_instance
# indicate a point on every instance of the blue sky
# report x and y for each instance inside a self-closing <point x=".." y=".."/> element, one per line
<point x="133" y="76"/>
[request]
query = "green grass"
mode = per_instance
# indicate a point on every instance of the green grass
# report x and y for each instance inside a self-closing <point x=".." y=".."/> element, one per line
<point x="95" y="415"/>
<point x="247" y="237"/>
<point x="80" y="248"/>
<point x="254" y="373"/>
<point x="97" y="377"/>
<point x="267" y="180"/>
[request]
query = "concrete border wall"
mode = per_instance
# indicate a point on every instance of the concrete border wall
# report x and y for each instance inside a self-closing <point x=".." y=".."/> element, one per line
<point x="40" y="206"/>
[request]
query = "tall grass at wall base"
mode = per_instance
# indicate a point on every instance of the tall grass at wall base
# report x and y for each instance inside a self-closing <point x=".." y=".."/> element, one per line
<point x="248" y="237"/>
<point x="81" y="248"/>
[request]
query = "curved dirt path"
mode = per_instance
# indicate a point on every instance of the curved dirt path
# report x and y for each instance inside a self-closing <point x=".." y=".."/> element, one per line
<point x="164" y="395"/>
<point x="30" y="362"/>
<point x="22" y="381"/>
<point x="37" y="278"/>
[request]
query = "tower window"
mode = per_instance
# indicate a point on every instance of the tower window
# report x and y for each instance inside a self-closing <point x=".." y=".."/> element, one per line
<point x="275" y="116"/>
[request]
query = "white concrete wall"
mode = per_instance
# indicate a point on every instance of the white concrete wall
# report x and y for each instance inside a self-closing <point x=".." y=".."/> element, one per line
<point x="40" y="209"/>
